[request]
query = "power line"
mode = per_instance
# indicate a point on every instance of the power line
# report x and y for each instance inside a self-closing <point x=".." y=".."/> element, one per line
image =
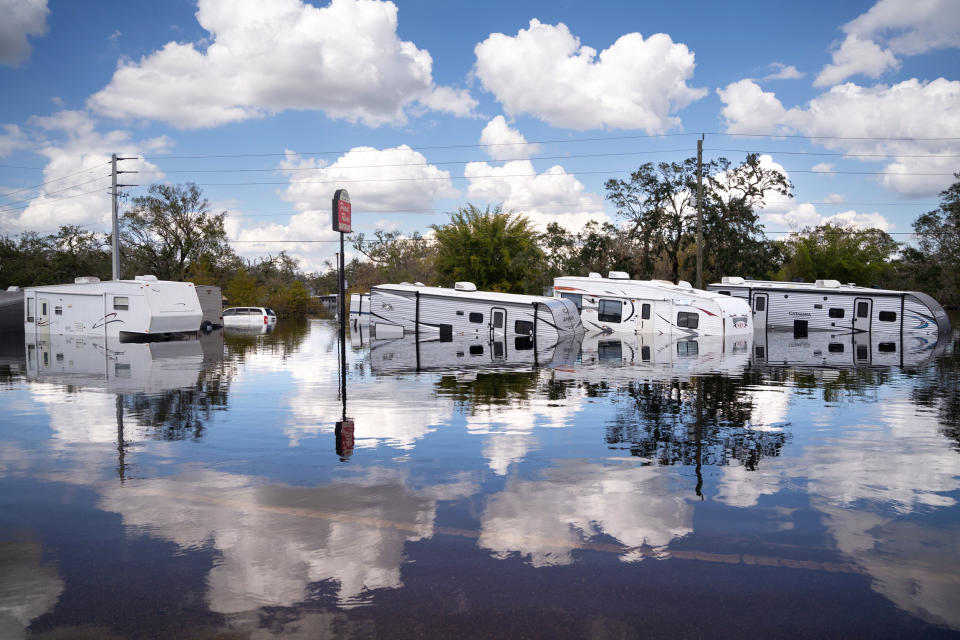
<point x="49" y="193"/>
<point x="50" y="202"/>
<point x="52" y="180"/>
<point x="838" y="153"/>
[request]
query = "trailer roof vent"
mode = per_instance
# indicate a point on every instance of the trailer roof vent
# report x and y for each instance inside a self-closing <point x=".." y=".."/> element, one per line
<point x="594" y="274"/>
<point x="618" y="275"/>
<point x="732" y="280"/>
<point x="828" y="284"/>
<point x="86" y="280"/>
<point x="465" y="286"/>
<point x="683" y="284"/>
<point x="147" y="278"/>
<point x="418" y="284"/>
<point x="13" y="288"/>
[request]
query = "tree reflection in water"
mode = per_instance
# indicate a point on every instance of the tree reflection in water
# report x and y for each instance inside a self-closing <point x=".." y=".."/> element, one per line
<point x="938" y="387"/>
<point x="705" y="420"/>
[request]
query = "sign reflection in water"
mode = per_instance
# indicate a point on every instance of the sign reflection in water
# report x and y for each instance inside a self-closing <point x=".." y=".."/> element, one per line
<point x="488" y="485"/>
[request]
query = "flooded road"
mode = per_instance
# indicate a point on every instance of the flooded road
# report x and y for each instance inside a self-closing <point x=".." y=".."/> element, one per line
<point x="612" y="488"/>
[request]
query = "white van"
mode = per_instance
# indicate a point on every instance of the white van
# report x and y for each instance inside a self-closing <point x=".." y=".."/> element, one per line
<point x="249" y="317"/>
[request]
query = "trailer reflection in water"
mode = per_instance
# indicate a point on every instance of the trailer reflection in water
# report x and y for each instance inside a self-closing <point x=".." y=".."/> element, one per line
<point x="826" y="349"/>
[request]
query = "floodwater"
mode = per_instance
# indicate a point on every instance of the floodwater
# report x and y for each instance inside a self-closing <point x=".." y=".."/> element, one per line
<point x="609" y="489"/>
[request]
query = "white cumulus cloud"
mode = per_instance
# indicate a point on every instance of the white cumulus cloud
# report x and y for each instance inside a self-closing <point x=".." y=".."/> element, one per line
<point x="504" y="143"/>
<point x="21" y="19"/>
<point x="889" y="29"/>
<point x="780" y="71"/>
<point x="546" y="71"/>
<point x="344" y="59"/>
<point x="910" y="126"/>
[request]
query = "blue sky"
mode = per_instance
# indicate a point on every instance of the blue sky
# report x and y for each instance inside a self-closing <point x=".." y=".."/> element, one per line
<point x="419" y="107"/>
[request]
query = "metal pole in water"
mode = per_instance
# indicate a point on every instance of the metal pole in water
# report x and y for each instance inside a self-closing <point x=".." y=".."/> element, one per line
<point x="343" y="331"/>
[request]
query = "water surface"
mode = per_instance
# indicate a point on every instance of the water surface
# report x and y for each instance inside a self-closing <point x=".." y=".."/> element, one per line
<point x="608" y="489"/>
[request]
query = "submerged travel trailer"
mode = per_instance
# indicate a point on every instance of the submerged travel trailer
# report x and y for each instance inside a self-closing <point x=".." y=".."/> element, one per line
<point x="11" y="311"/>
<point x="647" y="307"/>
<point x="827" y="305"/>
<point x="359" y="309"/>
<point x="138" y="308"/>
<point x="435" y="313"/>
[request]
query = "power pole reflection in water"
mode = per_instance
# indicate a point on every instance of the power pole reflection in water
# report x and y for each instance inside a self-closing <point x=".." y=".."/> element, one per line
<point x="121" y="443"/>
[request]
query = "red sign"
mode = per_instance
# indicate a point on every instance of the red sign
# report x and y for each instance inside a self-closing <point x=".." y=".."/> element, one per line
<point x="341" y="211"/>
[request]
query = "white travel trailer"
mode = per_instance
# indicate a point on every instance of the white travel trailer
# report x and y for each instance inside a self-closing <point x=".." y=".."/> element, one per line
<point x="408" y="354"/>
<point x="435" y="313"/>
<point x="648" y="307"/>
<point x="827" y="305"/>
<point x="138" y="308"/>
<point x="843" y="349"/>
<point x="359" y="309"/>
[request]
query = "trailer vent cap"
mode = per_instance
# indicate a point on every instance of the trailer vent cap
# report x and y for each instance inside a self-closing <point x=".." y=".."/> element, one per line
<point x="828" y="284"/>
<point x="418" y="284"/>
<point x="732" y="280"/>
<point x="465" y="286"/>
<point x="683" y="284"/>
<point x="86" y="280"/>
<point x="594" y="274"/>
<point x="147" y="278"/>
<point x="618" y="275"/>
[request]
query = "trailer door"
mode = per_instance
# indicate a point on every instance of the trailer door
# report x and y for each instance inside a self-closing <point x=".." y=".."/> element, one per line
<point x="760" y="301"/>
<point x="645" y="317"/>
<point x="498" y="333"/>
<point x="862" y="312"/>
<point x="43" y="317"/>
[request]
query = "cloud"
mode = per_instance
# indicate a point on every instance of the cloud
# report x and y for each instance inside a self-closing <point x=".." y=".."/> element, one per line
<point x="504" y="143"/>
<point x="856" y="56"/>
<point x="76" y="177"/>
<point x="21" y="18"/>
<point x="889" y="29"/>
<point x="823" y="167"/>
<point x="546" y="71"/>
<point x="344" y="59"/>
<point x="783" y="72"/>
<point x="12" y="138"/>
<point x="912" y="122"/>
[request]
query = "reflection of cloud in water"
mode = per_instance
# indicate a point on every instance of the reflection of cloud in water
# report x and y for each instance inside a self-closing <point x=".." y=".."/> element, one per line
<point x="80" y="417"/>
<point x="28" y="588"/>
<point x="740" y="487"/>
<point x="547" y="519"/>
<point x="390" y="411"/>
<point x="916" y="567"/>
<point x="274" y="540"/>
<point x="509" y="428"/>
<point x="770" y="407"/>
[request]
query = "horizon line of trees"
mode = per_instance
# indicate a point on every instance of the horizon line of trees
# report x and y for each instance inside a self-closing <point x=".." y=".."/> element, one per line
<point x="172" y="233"/>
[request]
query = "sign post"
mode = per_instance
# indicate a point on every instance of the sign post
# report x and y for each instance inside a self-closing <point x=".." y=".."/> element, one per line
<point x="342" y="224"/>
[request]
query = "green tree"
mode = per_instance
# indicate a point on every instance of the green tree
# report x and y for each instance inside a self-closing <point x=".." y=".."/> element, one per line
<point x="733" y="238"/>
<point x="838" y="253"/>
<point x="242" y="290"/>
<point x="399" y="257"/>
<point x="494" y="249"/>
<point x="170" y="229"/>
<point x="657" y="203"/>
<point x="934" y="264"/>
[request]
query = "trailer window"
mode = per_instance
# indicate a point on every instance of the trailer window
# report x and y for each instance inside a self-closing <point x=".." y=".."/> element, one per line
<point x="688" y="320"/>
<point x="29" y="309"/>
<point x="576" y="298"/>
<point x="476" y="349"/>
<point x="645" y="353"/>
<point x="523" y="327"/>
<point x="121" y="303"/>
<point x="446" y="333"/>
<point x="609" y="311"/>
<point x="498" y="319"/>
<point x="610" y="350"/>
<point x="476" y="317"/>
<point x="887" y="347"/>
<point x="835" y="313"/>
<point x="645" y="311"/>
<point x="523" y="343"/>
<point x="58" y="311"/>
<point x="726" y="293"/>
<point x="835" y="347"/>
<point x="863" y="309"/>
<point x="760" y="304"/>
<point x="888" y="316"/>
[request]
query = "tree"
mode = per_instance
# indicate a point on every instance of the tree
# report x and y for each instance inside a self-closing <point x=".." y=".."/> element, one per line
<point x="494" y="249"/>
<point x="170" y="229"/>
<point x="657" y="204"/>
<point x="398" y="257"/>
<point x="243" y="290"/>
<point x="934" y="264"/>
<point x="734" y="243"/>
<point x="838" y="253"/>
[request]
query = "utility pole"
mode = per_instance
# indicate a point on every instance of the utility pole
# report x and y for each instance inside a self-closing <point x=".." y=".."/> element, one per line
<point x="115" y="238"/>
<point x="700" y="212"/>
